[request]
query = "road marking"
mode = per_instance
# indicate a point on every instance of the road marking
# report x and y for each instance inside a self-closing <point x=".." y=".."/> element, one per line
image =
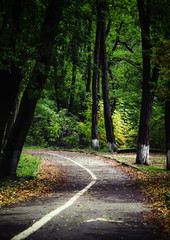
<point x="55" y="212"/>
<point x="103" y="220"/>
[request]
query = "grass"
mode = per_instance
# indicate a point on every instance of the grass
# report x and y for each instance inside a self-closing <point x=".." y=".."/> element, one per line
<point x="35" y="177"/>
<point x="28" y="166"/>
<point x="155" y="163"/>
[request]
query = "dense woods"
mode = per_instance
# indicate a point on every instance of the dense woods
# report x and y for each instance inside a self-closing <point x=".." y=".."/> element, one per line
<point x="76" y="74"/>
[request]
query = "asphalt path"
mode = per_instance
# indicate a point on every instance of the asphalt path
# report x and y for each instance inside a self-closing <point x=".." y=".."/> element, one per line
<point x="98" y="201"/>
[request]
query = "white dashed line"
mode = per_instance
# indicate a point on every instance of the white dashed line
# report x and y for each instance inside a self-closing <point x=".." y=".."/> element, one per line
<point x="55" y="212"/>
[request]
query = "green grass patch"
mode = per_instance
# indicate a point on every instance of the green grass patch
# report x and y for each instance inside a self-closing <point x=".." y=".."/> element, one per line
<point x="28" y="166"/>
<point x="151" y="168"/>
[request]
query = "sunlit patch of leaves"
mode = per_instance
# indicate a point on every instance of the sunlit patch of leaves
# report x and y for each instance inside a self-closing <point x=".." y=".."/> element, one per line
<point x="24" y="189"/>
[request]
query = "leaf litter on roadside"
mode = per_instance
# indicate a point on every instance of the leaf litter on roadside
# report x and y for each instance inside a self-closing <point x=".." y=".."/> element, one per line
<point x="155" y="189"/>
<point x="23" y="189"/>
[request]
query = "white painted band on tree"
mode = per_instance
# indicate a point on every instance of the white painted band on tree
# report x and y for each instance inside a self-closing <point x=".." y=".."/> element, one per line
<point x="143" y="152"/>
<point x="111" y="146"/>
<point x="95" y="143"/>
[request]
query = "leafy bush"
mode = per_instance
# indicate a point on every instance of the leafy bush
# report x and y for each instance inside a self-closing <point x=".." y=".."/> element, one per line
<point x="86" y="126"/>
<point x="64" y="129"/>
<point x="50" y="128"/>
<point x="157" y="128"/>
<point x="125" y="134"/>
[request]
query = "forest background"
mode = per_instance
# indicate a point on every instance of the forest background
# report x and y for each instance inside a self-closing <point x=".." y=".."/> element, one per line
<point x="47" y="71"/>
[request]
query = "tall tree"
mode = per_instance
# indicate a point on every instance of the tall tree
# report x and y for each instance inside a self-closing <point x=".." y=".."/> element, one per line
<point x="167" y="131"/>
<point x="88" y="82"/>
<point x="95" y="82"/>
<point x="10" y="73"/>
<point x="142" y="157"/>
<point x="105" y="86"/>
<point x="30" y="97"/>
<point x="164" y="89"/>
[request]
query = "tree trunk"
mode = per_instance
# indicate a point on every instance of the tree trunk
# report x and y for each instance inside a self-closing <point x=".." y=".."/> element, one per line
<point x="147" y="91"/>
<point x="60" y="98"/>
<point x="89" y="60"/>
<point x="8" y="93"/>
<point x="95" y="88"/>
<point x="145" y="116"/>
<point x="12" y="116"/>
<point x="88" y="70"/>
<point x="105" y="88"/>
<point x="167" y="132"/>
<point x="20" y="129"/>
<point x="10" y="79"/>
<point x="18" y="134"/>
<point x="72" y="93"/>
<point x="113" y="100"/>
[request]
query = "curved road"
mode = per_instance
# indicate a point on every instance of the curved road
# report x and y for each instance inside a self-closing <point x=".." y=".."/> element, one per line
<point x="97" y="202"/>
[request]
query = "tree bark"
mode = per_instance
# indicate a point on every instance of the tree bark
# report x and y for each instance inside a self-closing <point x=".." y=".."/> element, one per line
<point x="12" y="115"/>
<point x="10" y="78"/>
<point x="147" y="90"/>
<point x="95" y="87"/>
<point x="89" y="60"/>
<point x="105" y="88"/>
<point x="8" y="93"/>
<point x="72" y="93"/>
<point x="167" y="129"/>
<point x="20" y="129"/>
<point x="60" y="98"/>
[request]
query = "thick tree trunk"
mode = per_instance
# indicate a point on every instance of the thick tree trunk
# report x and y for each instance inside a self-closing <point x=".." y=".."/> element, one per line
<point x="106" y="97"/>
<point x="147" y="91"/>
<point x="8" y="93"/>
<point x="20" y="129"/>
<point x="95" y="88"/>
<point x="10" y="79"/>
<point x="18" y="134"/>
<point x="12" y="116"/>
<point x="145" y="116"/>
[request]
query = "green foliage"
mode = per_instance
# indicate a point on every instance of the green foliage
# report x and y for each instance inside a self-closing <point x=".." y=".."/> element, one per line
<point x="52" y="128"/>
<point x="125" y="133"/>
<point x="53" y="125"/>
<point x="69" y="136"/>
<point x="157" y="126"/>
<point x="28" y="166"/>
<point x="85" y="127"/>
<point x="44" y="123"/>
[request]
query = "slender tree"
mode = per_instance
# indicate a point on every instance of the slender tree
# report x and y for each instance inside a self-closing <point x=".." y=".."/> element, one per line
<point x="88" y="82"/>
<point x="95" y="82"/>
<point x="105" y="86"/>
<point x="72" y="93"/>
